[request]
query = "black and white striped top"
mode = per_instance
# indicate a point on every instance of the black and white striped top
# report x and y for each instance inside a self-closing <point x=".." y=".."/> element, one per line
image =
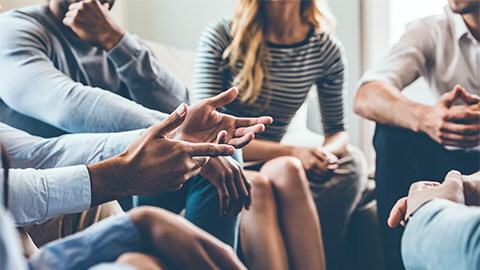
<point x="292" y="70"/>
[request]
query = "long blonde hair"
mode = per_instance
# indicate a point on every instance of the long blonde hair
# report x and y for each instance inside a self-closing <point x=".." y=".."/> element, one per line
<point x="248" y="44"/>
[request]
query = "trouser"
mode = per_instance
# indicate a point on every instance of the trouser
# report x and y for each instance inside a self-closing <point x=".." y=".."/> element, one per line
<point x="404" y="157"/>
<point x="35" y="236"/>
<point x="336" y="200"/>
<point x="200" y="200"/>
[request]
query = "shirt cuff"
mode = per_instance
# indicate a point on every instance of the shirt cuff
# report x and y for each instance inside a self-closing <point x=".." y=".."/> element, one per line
<point x="118" y="142"/>
<point x="69" y="190"/>
<point x="125" y="50"/>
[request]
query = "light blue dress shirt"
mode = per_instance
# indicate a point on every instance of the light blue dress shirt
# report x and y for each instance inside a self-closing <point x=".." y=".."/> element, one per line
<point x="38" y="194"/>
<point x="94" y="248"/>
<point x="442" y="235"/>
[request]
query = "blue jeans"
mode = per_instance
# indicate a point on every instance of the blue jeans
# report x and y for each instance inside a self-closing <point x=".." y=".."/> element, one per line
<point x="200" y="200"/>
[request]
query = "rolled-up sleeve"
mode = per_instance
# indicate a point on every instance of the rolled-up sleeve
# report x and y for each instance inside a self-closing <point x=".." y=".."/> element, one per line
<point x="36" y="196"/>
<point x="407" y="60"/>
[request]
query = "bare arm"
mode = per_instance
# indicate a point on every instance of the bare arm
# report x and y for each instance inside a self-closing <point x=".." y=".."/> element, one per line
<point x="384" y="103"/>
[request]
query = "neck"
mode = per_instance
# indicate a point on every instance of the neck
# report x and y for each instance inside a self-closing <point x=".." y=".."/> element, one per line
<point x="473" y="23"/>
<point x="283" y="23"/>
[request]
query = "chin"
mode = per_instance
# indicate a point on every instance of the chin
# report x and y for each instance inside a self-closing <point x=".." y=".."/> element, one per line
<point x="464" y="6"/>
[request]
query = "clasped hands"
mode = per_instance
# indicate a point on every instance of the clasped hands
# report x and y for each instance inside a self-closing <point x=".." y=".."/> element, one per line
<point x="464" y="189"/>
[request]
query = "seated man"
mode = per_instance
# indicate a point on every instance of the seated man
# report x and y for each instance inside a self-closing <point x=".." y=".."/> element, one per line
<point x="90" y="76"/>
<point x="442" y="229"/>
<point x="156" y="163"/>
<point x="170" y="240"/>
<point x="415" y="141"/>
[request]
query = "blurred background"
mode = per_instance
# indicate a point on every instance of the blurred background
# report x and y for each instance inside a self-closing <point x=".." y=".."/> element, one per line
<point x="367" y="29"/>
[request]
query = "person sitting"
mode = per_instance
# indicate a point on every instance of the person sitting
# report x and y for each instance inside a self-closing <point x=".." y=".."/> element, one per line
<point x="417" y="141"/>
<point x="144" y="238"/>
<point x="442" y="223"/>
<point x="90" y="76"/>
<point x="275" y="51"/>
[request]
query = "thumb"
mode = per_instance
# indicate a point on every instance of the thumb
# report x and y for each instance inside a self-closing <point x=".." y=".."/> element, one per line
<point x="174" y="120"/>
<point x="221" y="137"/>
<point x="448" y="98"/>
<point x="453" y="178"/>
<point x="224" y="98"/>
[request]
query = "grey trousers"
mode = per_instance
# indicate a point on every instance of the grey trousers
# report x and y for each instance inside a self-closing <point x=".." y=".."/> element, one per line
<point x="336" y="200"/>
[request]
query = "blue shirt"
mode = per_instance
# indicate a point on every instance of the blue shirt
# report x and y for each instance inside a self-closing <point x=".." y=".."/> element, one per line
<point x="37" y="193"/>
<point x="442" y="235"/>
<point x="94" y="248"/>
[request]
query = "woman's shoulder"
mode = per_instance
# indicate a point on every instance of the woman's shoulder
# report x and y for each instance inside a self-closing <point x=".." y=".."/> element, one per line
<point x="218" y="32"/>
<point x="325" y="40"/>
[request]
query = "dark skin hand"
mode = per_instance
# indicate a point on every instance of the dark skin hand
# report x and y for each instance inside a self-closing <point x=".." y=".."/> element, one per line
<point x="153" y="164"/>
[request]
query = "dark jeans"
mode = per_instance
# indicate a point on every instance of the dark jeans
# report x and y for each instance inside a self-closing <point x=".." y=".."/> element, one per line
<point x="199" y="198"/>
<point x="404" y="157"/>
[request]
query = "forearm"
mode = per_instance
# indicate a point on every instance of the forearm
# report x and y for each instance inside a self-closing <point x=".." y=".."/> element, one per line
<point x="385" y="104"/>
<point x="336" y="143"/>
<point x="265" y="150"/>
<point x="445" y="232"/>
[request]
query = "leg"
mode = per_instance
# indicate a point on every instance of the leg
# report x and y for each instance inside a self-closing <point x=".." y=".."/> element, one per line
<point x="336" y="200"/>
<point x="297" y="213"/>
<point x="403" y="157"/>
<point x="66" y="225"/>
<point x="203" y="207"/>
<point x="260" y="236"/>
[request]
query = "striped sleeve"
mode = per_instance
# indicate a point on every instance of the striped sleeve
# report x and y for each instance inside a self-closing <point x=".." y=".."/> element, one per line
<point x="331" y="87"/>
<point x="209" y="77"/>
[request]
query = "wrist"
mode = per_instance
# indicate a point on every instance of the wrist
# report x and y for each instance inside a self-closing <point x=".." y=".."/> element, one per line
<point x="105" y="180"/>
<point x="111" y="38"/>
<point x="421" y="113"/>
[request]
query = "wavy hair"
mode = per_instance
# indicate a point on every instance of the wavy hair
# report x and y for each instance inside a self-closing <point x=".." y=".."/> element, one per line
<point x="248" y="44"/>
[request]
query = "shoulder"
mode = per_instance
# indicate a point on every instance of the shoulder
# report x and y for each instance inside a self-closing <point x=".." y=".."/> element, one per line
<point x="427" y="28"/>
<point x="26" y="25"/>
<point x="217" y="34"/>
<point x="330" y="47"/>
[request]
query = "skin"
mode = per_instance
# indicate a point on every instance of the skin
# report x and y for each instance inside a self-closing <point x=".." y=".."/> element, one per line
<point x="91" y="22"/>
<point x="270" y="232"/>
<point x="445" y="123"/>
<point x="464" y="189"/>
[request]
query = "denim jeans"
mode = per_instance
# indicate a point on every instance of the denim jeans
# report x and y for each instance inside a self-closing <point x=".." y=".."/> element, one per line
<point x="404" y="157"/>
<point x="200" y="200"/>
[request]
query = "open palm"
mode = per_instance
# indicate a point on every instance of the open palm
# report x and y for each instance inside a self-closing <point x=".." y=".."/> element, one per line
<point x="204" y="122"/>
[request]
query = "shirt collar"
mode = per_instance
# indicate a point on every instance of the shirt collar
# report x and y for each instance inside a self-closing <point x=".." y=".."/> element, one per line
<point x="458" y="24"/>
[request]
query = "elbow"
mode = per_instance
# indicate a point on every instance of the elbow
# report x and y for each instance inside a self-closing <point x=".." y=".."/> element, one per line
<point x="360" y="104"/>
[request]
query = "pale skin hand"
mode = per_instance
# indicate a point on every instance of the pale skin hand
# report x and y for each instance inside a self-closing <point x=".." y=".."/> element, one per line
<point x="471" y="186"/>
<point x="204" y="122"/>
<point x="90" y="20"/>
<point x="153" y="164"/>
<point x="319" y="162"/>
<point x="425" y="191"/>
<point x="185" y="245"/>
<point x="445" y="123"/>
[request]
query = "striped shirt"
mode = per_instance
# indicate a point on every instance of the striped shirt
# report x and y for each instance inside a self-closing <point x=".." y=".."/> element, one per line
<point x="292" y="71"/>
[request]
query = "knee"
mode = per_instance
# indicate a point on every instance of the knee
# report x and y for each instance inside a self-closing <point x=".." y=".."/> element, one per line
<point x="261" y="186"/>
<point x="139" y="261"/>
<point x="286" y="173"/>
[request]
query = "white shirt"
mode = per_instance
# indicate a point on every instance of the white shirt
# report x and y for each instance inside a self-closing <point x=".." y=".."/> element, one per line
<point x="440" y="48"/>
<point x="38" y="188"/>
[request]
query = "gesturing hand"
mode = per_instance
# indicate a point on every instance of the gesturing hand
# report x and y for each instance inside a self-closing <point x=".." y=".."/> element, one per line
<point x="89" y="19"/>
<point x="450" y="125"/>
<point x="425" y="191"/>
<point x="153" y="164"/>
<point x="204" y="122"/>
<point x="232" y="185"/>
<point x="319" y="163"/>
<point x="180" y="243"/>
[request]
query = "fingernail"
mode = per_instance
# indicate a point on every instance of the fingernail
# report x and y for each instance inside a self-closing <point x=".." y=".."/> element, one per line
<point x="181" y="109"/>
